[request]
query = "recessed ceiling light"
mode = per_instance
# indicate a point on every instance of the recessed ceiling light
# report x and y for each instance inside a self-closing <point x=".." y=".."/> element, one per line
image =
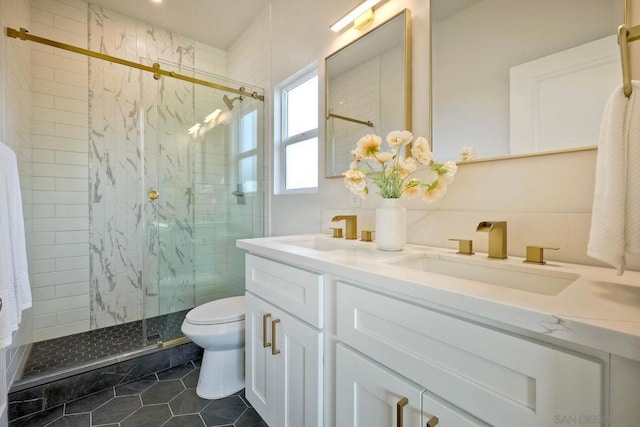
<point x="156" y="1"/>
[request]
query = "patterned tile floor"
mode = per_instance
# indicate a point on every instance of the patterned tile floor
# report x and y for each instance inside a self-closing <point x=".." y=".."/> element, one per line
<point x="164" y="399"/>
<point x="87" y="347"/>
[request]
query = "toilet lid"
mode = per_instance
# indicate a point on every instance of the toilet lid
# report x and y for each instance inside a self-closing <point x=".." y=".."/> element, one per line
<point x="224" y="310"/>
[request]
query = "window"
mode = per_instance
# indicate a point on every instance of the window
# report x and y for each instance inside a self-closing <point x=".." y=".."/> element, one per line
<point x="297" y="154"/>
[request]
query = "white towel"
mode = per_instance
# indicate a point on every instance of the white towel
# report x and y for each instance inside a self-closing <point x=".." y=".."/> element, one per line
<point x="615" y="221"/>
<point x="15" y="289"/>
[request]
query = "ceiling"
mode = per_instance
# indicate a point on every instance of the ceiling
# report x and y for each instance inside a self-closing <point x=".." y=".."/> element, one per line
<point x="215" y="22"/>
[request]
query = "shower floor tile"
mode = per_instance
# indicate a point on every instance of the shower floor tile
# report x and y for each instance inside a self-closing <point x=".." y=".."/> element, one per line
<point x="100" y="344"/>
<point x="175" y="405"/>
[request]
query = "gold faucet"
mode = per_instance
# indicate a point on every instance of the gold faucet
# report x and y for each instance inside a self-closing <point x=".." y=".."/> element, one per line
<point x="351" y="221"/>
<point x="497" y="237"/>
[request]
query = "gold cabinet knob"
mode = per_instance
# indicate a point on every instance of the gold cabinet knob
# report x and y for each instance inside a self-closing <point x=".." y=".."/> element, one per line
<point x="433" y="421"/>
<point x="153" y="194"/>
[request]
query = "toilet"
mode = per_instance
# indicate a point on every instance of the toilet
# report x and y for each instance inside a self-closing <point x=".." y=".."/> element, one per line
<point x="218" y="327"/>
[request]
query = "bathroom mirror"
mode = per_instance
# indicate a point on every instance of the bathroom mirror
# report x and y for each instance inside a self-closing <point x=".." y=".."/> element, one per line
<point x="368" y="89"/>
<point x="516" y="77"/>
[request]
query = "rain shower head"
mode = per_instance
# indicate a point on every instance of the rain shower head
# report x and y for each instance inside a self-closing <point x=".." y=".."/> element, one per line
<point x="229" y="101"/>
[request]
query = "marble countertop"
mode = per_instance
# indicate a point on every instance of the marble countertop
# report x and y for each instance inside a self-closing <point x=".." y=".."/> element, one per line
<point x="599" y="309"/>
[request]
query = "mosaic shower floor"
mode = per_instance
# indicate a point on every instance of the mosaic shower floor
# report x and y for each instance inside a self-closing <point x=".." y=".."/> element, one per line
<point x="59" y="354"/>
<point x="164" y="399"/>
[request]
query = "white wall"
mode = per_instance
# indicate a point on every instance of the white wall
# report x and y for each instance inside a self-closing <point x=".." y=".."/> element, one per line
<point x="547" y="199"/>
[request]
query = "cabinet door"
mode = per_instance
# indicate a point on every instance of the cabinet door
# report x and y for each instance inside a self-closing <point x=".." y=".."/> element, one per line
<point x="369" y="395"/>
<point x="436" y="412"/>
<point x="259" y="363"/>
<point x="298" y="373"/>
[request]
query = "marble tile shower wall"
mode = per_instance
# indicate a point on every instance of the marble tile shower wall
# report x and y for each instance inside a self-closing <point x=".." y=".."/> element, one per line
<point x="168" y="152"/>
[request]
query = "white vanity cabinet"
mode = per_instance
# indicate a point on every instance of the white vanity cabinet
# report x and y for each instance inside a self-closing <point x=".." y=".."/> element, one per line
<point x="361" y="341"/>
<point x="496" y="378"/>
<point x="369" y="395"/>
<point x="283" y="343"/>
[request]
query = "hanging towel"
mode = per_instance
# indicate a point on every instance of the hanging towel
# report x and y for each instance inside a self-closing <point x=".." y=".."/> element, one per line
<point x="615" y="220"/>
<point x="15" y="289"/>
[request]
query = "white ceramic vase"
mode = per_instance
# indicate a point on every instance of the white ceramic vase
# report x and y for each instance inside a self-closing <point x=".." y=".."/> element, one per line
<point x="391" y="226"/>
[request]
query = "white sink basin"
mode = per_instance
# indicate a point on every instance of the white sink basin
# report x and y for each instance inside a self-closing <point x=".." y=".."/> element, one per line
<point x="538" y="279"/>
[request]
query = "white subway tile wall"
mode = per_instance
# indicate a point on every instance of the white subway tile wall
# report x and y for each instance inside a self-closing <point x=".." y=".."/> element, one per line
<point x="60" y="228"/>
<point x="15" y="128"/>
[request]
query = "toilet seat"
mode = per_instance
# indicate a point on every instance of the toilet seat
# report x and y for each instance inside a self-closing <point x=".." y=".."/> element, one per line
<point x="224" y="310"/>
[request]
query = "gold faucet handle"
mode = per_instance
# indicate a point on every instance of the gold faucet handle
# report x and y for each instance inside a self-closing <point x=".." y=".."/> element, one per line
<point x="337" y="232"/>
<point x="465" y="246"/>
<point x="535" y="254"/>
<point x="366" y="235"/>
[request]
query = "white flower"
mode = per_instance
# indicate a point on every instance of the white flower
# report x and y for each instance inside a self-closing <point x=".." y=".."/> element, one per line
<point x="406" y="166"/>
<point x="412" y="189"/>
<point x="393" y="173"/>
<point x="468" y="153"/>
<point x="398" y="138"/>
<point x="421" y="151"/>
<point x="384" y="156"/>
<point x="448" y="170"/>
<point x="367" y="146"/>
<point x="435" y="191"/>
<point x="354" y="181"/>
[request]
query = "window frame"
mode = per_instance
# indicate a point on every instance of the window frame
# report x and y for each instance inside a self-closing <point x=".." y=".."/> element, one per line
<point x="282" y="142"/>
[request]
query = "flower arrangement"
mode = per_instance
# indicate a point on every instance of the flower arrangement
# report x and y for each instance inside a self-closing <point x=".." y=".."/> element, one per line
<point x="393" y="175"/>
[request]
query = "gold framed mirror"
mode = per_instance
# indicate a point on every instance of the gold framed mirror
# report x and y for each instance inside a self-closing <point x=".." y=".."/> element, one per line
<point x="514" y="78"/>
<point x="366" y="91"/>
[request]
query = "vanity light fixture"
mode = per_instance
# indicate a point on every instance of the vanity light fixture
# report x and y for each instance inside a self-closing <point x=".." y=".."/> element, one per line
<point x="359" y="15"/>
<point x="156" y="1"/>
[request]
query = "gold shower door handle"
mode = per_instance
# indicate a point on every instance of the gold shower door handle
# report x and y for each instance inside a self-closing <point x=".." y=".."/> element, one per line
<point x="274" y="350"/>
<point x="433" y="421"/>
<point x="400" y="411"/>
<point x="153" y="194"/>
<point x="265" y="343"/>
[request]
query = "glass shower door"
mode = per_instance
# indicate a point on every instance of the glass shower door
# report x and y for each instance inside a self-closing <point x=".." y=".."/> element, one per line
<point x="202" y="150"/>
<point x="169" y="209"/>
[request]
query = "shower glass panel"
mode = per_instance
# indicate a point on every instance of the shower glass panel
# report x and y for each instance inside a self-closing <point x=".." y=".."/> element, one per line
<point x="201" y="161"/>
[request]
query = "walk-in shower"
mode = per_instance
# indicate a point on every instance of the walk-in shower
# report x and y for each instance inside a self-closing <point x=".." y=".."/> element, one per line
<point x="163" y="164"/>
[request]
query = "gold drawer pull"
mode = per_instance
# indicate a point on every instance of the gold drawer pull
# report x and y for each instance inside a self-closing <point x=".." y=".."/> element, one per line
<point x="399" y="409"/>
<point x="433" y="421"/>
<point x="274" y="323"/>
<point x="265" y="343"/>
